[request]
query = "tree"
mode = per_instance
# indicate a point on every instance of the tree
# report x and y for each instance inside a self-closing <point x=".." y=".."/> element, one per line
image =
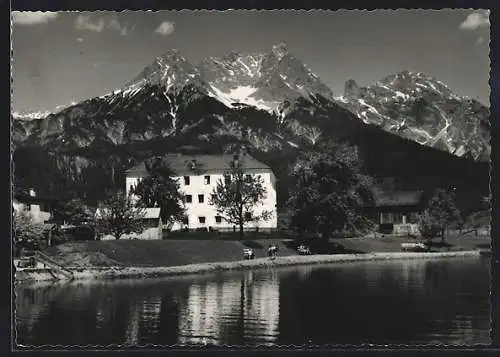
<point x="73" y="212"/>
<point x="314" y="134"/>
<point x="159" y="189"/>
<point x="443" y="210"/>
<point x="118" y="215"/>
<point x="236" y="197"/>
<point x="28" y="233"/>
<point x="330" y="194"/>
<point x="428" y="225"/>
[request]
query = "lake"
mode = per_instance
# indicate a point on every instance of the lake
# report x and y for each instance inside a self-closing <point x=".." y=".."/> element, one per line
<point x="397" y="302"/>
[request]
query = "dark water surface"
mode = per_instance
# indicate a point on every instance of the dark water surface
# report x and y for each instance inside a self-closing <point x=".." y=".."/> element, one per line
<point x="398" y="302"/>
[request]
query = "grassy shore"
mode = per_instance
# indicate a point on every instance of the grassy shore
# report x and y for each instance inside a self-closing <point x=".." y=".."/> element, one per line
<point x="141" y="259"/>
<point x="172" y="253"/>
<point x="156" y="253"/>
<point x="261" y="263"/>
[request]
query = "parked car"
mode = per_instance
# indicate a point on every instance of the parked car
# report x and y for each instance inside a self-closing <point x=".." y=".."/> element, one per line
<point x="303" y="250"/>
<point x="248" y="253"/>
<point x="414" y="247"/>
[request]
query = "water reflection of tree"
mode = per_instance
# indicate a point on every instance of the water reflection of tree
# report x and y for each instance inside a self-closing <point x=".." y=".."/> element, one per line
<point x="459" y="321"/>
<point x="168" y="328"/>
<point x="53" y="324"/>
<point x="370" y="302"/>
<point x="31" y="303"/>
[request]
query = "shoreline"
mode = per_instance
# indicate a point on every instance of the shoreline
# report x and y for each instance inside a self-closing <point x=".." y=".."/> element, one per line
<point x="110" y="273"/>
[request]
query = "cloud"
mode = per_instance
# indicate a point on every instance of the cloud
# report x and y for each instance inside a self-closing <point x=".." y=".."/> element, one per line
<point x="79" y="39"/>
<point x="86" y="22"/>
<point x="480" y="40"/>
<point x="476" y="19"/>
<point x="165" y="28"/>
<point x="33" y="17"/>
<point x="115" y="25"/>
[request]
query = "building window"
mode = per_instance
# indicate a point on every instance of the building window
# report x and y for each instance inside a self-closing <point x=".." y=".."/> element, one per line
<point x="201" y="220"/>
<point x="189" y="198"/>
<point x="185" y="221"/>
<point x="227" y="179"/>
<point x="186" y="180"/>
<point x="248" y="177"/>
<point x="201" y="198"/>
<point x="386" y="218"/>
<point x="248" y="216"/>
<point x="207" y="180"/>
<point x="218" y="219"/>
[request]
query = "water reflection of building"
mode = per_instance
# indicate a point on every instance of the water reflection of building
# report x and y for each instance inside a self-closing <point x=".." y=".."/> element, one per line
<point x="304" y="272"/>
<point x="413" y="273"/>
<point x="236" y="309"/>
<point x="263" y="308"/>
<point x="408" y="273"/>
<point x="144" y="316"/>
<point x="207" y="301"/>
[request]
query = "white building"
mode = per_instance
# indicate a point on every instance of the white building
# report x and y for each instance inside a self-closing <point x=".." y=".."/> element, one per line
<point x="198" y="176"/>
<point x="32" y="206"/>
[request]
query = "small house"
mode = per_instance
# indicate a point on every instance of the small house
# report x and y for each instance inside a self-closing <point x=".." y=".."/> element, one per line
<point x="152" y="225"/>
<point x="38" y="208"/>
<point x="397" y="210"/>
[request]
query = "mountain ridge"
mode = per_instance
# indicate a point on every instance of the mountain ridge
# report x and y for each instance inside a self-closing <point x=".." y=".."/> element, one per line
<point x="86" y="147"/>
<point x="421" y="108"/>
<point x="276" y="81"/>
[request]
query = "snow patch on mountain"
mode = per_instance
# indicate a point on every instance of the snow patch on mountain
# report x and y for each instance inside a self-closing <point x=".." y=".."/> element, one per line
<point x="36" y="115"/>
<point x="420" y="108"/>
<point x="241" y="94"/>
<point x="399" y="94"/>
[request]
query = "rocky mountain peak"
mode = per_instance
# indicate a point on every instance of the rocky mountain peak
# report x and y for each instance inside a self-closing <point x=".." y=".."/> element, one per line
<point x="231" y="56"/>
<point x="351" y="89"/>
<point x="172" y="54"/>
<point x="421" y="108"/>
<point x="280" y="50"/>
<point x="167" y="69"/>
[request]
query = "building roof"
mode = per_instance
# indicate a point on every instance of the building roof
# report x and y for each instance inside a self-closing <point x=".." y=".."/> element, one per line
<point x="26" y="198"/>
<point x="181" y="164"/>
<point x="149" y="213"/>
<point x="397" y="198"/>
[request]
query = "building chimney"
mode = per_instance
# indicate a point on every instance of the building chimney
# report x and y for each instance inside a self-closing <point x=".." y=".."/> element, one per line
<point x="32" y="192"/>
<point x="193" y="164"/>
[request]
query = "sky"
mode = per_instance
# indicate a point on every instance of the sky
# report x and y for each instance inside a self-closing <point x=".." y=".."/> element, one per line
<point x="65" y="57"/>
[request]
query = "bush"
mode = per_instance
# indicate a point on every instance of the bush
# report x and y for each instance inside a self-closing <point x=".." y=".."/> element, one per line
<point x="428" y="225"/>
<point x="28" y="234"/>
<point x="78" y="233"/>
